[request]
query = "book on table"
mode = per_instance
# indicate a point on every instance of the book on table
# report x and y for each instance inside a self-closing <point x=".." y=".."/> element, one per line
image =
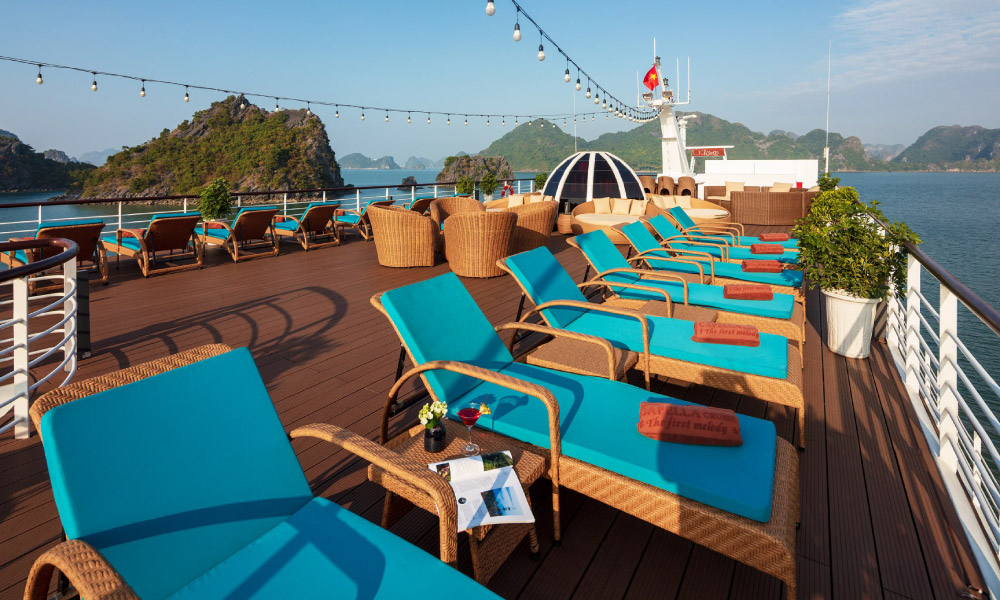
<point x="486" y="488"/>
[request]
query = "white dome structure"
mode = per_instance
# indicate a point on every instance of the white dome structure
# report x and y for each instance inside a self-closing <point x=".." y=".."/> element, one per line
<point x="588" y="175"/>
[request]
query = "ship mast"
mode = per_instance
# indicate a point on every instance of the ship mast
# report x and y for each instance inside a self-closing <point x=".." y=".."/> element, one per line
<point x="674" y="153"/>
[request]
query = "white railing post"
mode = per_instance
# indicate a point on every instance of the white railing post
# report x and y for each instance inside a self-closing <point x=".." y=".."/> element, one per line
<point x="413" y="194"/>
<point x="947" y="378"/>
<point x="518" y="186"/>
<point x="531" y="186"/>
<point x="324" y="195"/>
<point x="911" y="352"/>
<point x="386" y="193"/>
<point x="119" y="214"/>
<point x="185" y="205"/>
<point x="357" y="201"/>
<point x="284" y="204"/>
<point x="435" y="191"/>
<point x="70" y="310"/>
<point x="20" y="339"/>
<point x="39" y="214"/>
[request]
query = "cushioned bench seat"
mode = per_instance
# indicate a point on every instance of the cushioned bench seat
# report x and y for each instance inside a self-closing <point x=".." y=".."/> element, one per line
<point x="607" y="220"/>
<point x="707" y="213"/>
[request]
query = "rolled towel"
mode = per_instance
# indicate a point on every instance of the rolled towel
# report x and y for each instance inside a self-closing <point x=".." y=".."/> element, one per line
<point x="701" y="425"/>
<point x="761" y="266"/>
<point x="212" y="225"/>
<point x="726" y="333"/>
<point x="773" y="237"/>
<point x="280" y="219"/>
<point x="766" y="249"/>
<point x="747" y="291"/>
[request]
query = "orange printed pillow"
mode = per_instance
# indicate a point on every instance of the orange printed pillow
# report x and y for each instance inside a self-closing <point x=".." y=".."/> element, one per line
<point x="701" y="425"/>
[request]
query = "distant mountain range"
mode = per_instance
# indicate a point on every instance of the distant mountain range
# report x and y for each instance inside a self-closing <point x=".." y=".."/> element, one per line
<point x="23" y="169"/>
<point x="360" y="161"/>
<point x="541" y="145"/>
<point x="99" y="157"/>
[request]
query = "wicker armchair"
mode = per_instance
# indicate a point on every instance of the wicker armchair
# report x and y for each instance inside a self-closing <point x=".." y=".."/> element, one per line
<point x="474" y="242"/>
<point x="534" y="225"/>
<point x="665" y="185"/>
<point x="648" y="183"/>
<point x="403" y="238"/>
<point x="770" y="208"/>
<point x="442" y="208"/>
<point x="686" y="186"/>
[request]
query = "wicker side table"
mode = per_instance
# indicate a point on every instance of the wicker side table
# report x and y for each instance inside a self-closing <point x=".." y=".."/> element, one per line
<point x="490" y="545"/>
<point x="563" y="224"/>
<point x="573" y="356"/>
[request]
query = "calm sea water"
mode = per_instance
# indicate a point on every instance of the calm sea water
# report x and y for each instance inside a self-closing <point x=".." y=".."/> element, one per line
<point x="956" y="214"/>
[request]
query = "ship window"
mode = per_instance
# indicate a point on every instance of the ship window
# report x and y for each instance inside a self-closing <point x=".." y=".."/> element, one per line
<point x="552" y="183"/>
<point x="605" y="183"/>
<point x="575" y="187"/>
<point x="632" y="187"/>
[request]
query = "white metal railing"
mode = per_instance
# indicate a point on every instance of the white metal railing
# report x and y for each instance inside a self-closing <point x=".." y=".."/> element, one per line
<point x="951" y="391"/>
<point x="38" y="329"/>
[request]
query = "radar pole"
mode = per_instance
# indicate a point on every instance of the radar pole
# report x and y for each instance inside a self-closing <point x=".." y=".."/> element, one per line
<point x="826" y="149"/>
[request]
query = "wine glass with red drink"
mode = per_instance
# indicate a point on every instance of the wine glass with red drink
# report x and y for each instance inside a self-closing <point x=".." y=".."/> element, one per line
<point x="469" y="415"/>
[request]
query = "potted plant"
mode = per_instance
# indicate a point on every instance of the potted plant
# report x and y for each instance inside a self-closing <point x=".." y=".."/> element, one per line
<point x="540" y="180"/>
<point x="216" y="201"/>
<point x="465" y="186"/>
<point x="855" y="261"/>
<point x="487" y="185"/>
<point x="430" y="417"/>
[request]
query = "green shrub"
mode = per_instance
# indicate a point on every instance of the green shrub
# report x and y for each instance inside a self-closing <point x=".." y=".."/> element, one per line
<point x="827" y="183"/>
<point x="216" y="202"/>
<point x="466" y="186"/>
<point x="540" y="180"/>
<point x="843" y="246"/>
<point x="488" y="184"/>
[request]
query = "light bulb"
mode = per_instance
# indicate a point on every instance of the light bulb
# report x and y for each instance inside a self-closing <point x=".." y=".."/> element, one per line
<point x="517" y="32"/>
<point x="466" y="121"/>
<point x="604" y="104"/>
<point x="490" y="9"/>
<point x="362" y="116"/>
<point x="38" y="79"/>
<point x="588" y="95"/>
<point x="597" y="99"/>
<point x="515" y="121"/>
<point x="276" y="109"/>
<point x="593" y="118"/>
<point x="93" y="86"/>
<point x="564" y="122"/>
<point x="142" y="91"/>
<point x="408" y="119"/>
<point x="529" y="123"/>
<point x="386" y="117"/>
<point x="309" y="111"/>
<point x="243" y="103"/>
<point x="487" y="122"/>
<point x="448" y="123"/>
<point x="428" y="118"/>
<point x="336" y="114"/>
<point x="541" y="52"/>
<point x="187" y="98"/>
<point x="503" y="123"/>
<point x="578" y="86"/>
<point x="566" y="77"/>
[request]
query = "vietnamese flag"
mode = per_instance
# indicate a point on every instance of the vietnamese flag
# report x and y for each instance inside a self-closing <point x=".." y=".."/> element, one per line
<point x="651" y="80"/>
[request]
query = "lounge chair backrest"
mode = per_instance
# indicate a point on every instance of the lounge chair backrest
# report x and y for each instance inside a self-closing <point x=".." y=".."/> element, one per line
<point x="171" y="231"/>
<point x="437" y="319"/>
<point x="601" y="251"/>
<point x="682" y="217"/>
<point x="664" y="228"/>
<point x="317" y="215"/>
<point x="252" y="222"/>
<point x="544" y="279"/>
<point x="643" y="241"/>
<point x="165" y="485"/>
<point x="85" y="232"/>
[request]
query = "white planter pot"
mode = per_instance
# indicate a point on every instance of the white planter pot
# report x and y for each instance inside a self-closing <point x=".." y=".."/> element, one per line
<point x="849" y="323"/>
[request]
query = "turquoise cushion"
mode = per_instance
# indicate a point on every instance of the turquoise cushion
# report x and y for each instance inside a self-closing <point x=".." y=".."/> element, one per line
<point x="746" y="240"/>
<point x="672" y="338"/>
<point x="324" y="550"/>
<point x="173" y="215"/>
<point x="740" y="253"/>
<point x="48" y="224"/>
<point x="544" y="279"/>
<point x="598" y="425"/>
<point x="127" y="241"/>
<point x="665" y="229"/>
<point x="216" y="232"/>
<point x="287" y="225"/>
<point x="348" y="218"/>
<point x="170" y="475"/>
<point x="437" y="319"/>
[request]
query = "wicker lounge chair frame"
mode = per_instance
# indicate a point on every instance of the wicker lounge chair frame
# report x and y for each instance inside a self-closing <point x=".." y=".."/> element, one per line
<point x="474" y="241"/>
<point x="420" y="205"/>
<point x="168" y="233"/>
<point x="768" y="547"/>
<point x="314" y="225"/>
<point x="363" y="226"/>
<point x="251" y="235"/>
<point x="787" y="392"/>
<point x="403" y="238"/>
<point x="92" y="576"/>
<point x="87" y="237"/>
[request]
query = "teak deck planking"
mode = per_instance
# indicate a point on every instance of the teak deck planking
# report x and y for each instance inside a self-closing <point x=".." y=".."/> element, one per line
<point x="875" y="519"/>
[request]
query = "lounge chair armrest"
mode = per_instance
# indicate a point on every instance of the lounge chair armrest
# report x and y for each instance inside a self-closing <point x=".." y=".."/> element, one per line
<point x="511" y="383"/>
<point x="669" y="258"/>
<point x="718" y="226"/>
<point x="646" y="273"/>
<point x="136" y="233"/>
<point x="226" y="226"/>
<point x="298" y="222"/>
<point x="631" y="286"/>
<point x="580" y="337"/>
<point x="90" y="573"/>
<point x="412" y="473"/>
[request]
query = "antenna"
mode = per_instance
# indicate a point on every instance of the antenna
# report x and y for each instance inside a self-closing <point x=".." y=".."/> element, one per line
<point x="677" y="84"/>
<point x="689" y="80"/>
<point x="638" y="91"/>
<point x="826" y="149"/>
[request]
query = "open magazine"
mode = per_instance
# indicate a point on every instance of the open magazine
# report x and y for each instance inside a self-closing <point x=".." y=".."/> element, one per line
<point x="487" y="489"/>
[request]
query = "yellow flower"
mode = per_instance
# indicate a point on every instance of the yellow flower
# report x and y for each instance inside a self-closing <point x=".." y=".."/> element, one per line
<point x="484" y="410"/>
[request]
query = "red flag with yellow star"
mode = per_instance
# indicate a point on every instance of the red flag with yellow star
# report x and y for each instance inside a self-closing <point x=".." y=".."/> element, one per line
<point x="651" y="80"/>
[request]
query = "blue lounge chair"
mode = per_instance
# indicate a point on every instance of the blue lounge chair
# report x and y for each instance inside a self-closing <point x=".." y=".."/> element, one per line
<point x="250" y="229"/>
<point x="733" y="233"/>
<point x="769" y="371"/>
<point x="680" y="258"/>
<point x="313" y="228"/>
<point x="157" y="505"/>
<point x="358" y="219"/>
<point x="587" y="425"/>
<point x="85" y="232"/>
<point x="781" y="315"/>
<point x="171" y="235"/>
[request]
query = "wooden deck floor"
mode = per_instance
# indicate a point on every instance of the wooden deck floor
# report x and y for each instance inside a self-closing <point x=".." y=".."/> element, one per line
<point x="875" y="521"/>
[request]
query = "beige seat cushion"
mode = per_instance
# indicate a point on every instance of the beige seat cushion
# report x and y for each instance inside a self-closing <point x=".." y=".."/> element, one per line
<point x="638" y="208"/>
<point x="620" y="206"/>
<point x="548" y="198"/>
<point x="683" y="201"/>
<point x="602" y="206"/>
<point x="606" y="220"/>
<point x="515" y="200"/>
<point x="706" y="213"/>
<point x="538" y="198"/>
<point x="733" y="186"/>
<point x="780" y="187"/>
<point x="814" y="188"/>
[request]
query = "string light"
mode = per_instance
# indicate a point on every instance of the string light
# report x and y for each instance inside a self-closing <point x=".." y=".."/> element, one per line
<point x="588" y="88"/>
<point x="93" y="86"/>
<point x="517" y="27"/>
<point x="503" y="123"/>
<point x="386" y="117"/>
<point x="578" y="86"/>
<point x="566" y="77"/>
<point x="487" y="122"/>
<point x="448" y="123"/>
<point x="466" y="120"/>
<point x="276" y="109"/>
<point x="38" y="79"/>
<point x="187" y="97"/>
<point x="541" y="49"/>
<point x="309" y="111"/>
<point x="142" y="91"/>
<point x="336" y="113"/>
<point x="243" y="102"/>
<point x="490" y="9"/>
<point x="408" y="120"/>
<point x="515" y="121"/>
<point x="597" y="97"/>
<point x="362" y="115"/>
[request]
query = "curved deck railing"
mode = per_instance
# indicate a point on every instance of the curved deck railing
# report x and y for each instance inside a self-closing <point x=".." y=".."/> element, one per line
<point x="38" y="320"/>
<point x="951" y="391"/>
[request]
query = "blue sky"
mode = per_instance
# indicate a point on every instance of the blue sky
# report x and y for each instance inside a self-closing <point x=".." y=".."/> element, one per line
<point x="899" y="66"/>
